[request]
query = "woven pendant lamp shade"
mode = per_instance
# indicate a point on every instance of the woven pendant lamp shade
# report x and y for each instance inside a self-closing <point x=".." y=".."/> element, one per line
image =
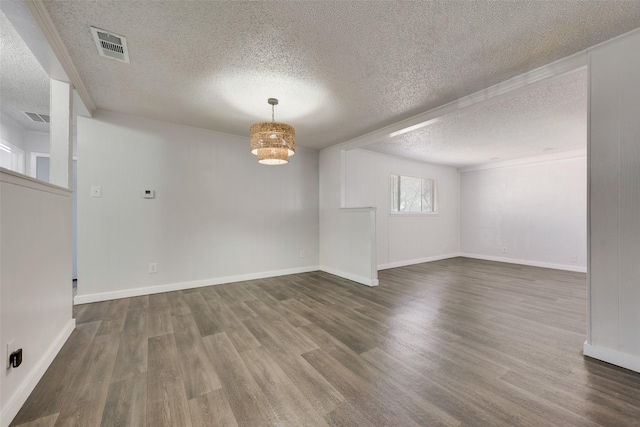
<point x="273" y="142"/>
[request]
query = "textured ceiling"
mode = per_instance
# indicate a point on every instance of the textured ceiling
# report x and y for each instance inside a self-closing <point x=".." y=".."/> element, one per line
<point x="547" y="119"/>
<point x="340" y="68"/>
<point x="24" y="85"/>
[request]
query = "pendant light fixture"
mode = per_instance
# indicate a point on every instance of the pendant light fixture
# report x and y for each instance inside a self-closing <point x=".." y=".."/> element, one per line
<point x="273" y="142"/>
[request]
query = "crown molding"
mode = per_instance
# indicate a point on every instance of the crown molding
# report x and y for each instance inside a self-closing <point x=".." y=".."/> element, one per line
<point x="527" y="160"/>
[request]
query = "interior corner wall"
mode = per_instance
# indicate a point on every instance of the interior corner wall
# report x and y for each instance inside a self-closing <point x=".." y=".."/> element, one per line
<point x="532" y="214"/>
<point x="404" y="239"/>
<point x="614" y="202"/>
<point x="217" y="216"/>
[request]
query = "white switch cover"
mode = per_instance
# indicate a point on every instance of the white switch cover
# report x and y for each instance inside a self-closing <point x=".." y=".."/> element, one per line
<point x="96" y="191"/>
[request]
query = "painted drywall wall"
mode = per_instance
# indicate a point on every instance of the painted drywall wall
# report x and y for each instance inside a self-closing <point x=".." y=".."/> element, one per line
<point x="35" y="281"/>
<point x="533" y="213"/>
<point x="404" y="239"/>
<point x="34" y="142"/>
<point x="614" y="202"/>
<point x="347" y="236"/>
<point x="352" y="240"/>
<point x="217" y="216"/>
<point x="12" y="139"/>
<point x="28" y="140"/>
<point x="11" y="131"/>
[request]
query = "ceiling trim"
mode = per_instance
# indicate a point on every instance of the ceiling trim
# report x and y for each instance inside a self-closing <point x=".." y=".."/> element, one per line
<point x="527" y="160"/>
<point x="43" y="19"/>
<point x="508" y="88"/>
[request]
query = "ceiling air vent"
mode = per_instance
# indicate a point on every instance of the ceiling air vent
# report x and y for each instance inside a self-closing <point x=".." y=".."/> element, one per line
<point x="110" y="45"/>
<point x="38" y="118"/>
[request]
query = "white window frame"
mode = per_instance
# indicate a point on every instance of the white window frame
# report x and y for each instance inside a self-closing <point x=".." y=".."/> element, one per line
<point x="434" y="197"/>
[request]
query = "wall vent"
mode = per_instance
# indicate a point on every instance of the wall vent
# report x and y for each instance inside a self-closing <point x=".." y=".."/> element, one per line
<point x="38" y="118"/>
<point x="110" y="45"/>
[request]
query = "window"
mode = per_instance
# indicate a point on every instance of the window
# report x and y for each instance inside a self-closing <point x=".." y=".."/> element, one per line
<point x="414" y="195"/>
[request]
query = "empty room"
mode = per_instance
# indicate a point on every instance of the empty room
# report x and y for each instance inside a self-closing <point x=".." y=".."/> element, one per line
<point x="310" y="213"/>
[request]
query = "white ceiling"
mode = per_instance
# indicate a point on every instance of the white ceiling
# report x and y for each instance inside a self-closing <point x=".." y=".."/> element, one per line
<point x="345" y="68"/>
<point x="24" y="85"/>
<point x="547" y="119"/>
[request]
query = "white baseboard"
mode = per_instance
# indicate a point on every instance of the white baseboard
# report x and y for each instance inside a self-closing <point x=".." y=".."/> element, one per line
<point x="417" y="261"/>
<point x="169" y="287"/>
<point x="567" y="267"/>
<point x="349" y="276"/>
<point x="617" y="358"/>
<point x="26" y="387"/>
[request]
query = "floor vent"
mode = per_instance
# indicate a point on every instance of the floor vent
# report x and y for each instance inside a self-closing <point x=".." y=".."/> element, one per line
<point x="38" y="118"/>
<point x="110" y="45"/>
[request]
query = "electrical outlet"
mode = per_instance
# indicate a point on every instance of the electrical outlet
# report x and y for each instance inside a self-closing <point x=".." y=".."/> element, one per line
<point x="15" y="358"/>
<point x="302" y="253"/>
<point x="574" y="259"/>
<point x="153" y="267"/>
<point x="96" y="191"/>
<point x="504" y="249"/>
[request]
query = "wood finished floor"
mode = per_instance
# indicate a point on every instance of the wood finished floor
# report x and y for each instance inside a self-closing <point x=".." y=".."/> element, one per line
<point x="453" y="342"/>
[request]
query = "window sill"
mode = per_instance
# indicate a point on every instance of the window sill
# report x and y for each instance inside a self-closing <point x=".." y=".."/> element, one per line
<point x="413" y="213"/>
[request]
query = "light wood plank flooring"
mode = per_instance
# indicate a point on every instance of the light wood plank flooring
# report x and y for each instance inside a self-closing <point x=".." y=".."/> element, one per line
<point x="454" y="342"/>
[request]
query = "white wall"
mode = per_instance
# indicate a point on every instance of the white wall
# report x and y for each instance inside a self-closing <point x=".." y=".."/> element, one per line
<point x="404" y="239"/>
<point x="536" y="211"/>
<point x="347" y="236"/>
<point x="35" y="281"/>
<point x="35" y="142"/>
<point x="12" y="154"/>
<point x="614" y="202"/>
<point x="25" y="139"/>
<point x="218" y="215"/>
<point x="351" y="245"/>
<point x="11" y="131"/>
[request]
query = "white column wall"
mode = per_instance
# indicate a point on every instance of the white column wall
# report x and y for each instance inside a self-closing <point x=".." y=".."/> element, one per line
<point x="61" y="142"/>
<point x="218" y="216"/>
<point x="347" y="236"/>
<point x="614" y="202"/>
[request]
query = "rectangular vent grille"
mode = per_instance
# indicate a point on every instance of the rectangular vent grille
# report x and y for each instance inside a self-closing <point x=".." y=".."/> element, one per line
<point x="110" y="45"/>
<point x="38" y="118"/>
